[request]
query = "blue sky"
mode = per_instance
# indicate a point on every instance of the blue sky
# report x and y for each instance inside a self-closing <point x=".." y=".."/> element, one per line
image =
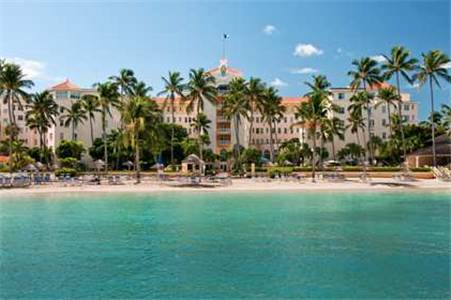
<point x="87" y="41"/>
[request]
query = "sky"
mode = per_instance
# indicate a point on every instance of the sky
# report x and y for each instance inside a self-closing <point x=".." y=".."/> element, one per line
<point x="282" y="42"/>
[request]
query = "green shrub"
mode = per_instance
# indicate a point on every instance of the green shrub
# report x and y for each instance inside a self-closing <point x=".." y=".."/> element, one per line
<point x="66" y="171"/>
<point x="69" y="162"/>
<point x="273" y="171"/>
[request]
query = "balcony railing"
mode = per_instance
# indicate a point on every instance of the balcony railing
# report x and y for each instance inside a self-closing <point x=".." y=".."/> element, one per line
<point x="223" y="130"/>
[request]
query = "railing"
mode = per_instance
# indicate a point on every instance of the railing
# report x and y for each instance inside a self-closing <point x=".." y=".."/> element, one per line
<point x="223" y="130"/>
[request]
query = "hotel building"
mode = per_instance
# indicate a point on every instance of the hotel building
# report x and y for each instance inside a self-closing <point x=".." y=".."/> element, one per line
<point x="222" y="130"/>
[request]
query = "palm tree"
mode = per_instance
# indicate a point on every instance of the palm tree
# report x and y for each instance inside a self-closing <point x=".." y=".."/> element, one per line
<point x="125" y="81"/>
<point x="201" y="87"/>
<point x="312" y="114"/>
<point x="173" y="87"/>
<point x="333" y="127"/>
<point x="446" y="117"/>
<point x="253" y="96"/>
<point x="202" y="123"/>
<point x="235" y="107"/>
<point x="389" y="97"/>
<point x="356" y="122"/>
<point x="271" y="109"/>
<point x="140" y="89"/>
<point x="40" y="115"/>
<point x="432" y="69"/>
<point x="74" y="116"/>
<point x="399" y="63"/>
<point x="12" y="89"/>
<point x="366" y="75"/>
<point x="135" y="112"/>
<point x="108" y="99"/>
<point x="116" y="140"/>
<point x="90" y="104"/>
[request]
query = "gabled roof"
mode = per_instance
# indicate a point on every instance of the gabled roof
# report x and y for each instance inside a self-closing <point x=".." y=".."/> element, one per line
<point x="66" y="85"/>
<point x="286" y="100"/>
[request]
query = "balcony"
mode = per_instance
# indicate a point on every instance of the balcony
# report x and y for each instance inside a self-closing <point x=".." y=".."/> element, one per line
<point x="223" y="130"/>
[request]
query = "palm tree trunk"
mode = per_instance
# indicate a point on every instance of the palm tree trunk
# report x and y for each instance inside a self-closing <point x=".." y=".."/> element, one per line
<point x="271" y="145"/>
<point x="368" y="146"/>
<point x="138" y="167"/>
<point x="434" y="160"/>
<point x="199" y="135"/>
<point x="275" y="134"/>
<point x="73" y="131"/>
<point x="251" y="127"/>
<point x="10" y="115"/>
<point x="389" y="119"/>
<point x="41" y="145"/>
<point x="333" y="147"/>
<point x="401" y="129"/>
<point x="172" y="130"/>
<point x="105" y="146"/>
<point x="237" y="136"/>
<point x="314" y="154"/>
<point x="92" y="130"/>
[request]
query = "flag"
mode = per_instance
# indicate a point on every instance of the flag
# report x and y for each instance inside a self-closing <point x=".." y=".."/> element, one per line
<point x="225" y="36"/>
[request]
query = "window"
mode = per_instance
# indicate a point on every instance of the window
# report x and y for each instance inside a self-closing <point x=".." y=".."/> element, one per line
<point x="20" y="118"/>
<point x="285" y="130"/>
<point x="384" y="122"/>
<point x="61" y="136"/>
<point x="341" y="96"/>
<point x="371" y="123"/>
<point x="61" y="123"/>
<point x="405" y="118"/>
<point x="62" y="95"/>
<point x="384" y="135"/>
<point x="285" y="119"/>
<point x="168" y="120"/>
<point x="279" y="130"/>
<point x="75" y="95"/>
<point x="384" y="108"/>
<point x="341" y="110"/>
<point x="406" y="107"/>
<point x="61" y="109"/>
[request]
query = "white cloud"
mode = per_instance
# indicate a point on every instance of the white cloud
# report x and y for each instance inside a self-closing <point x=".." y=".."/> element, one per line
<point x="304" y="50"/>
<point x="447" y="65"/>
<point x="379" y="58"/>
<point x="278" y="82"/>
<point x="306" y="70"/>
<point x="269" y="29"/>
<point x="339" y="50"/>
<point x="33" y="69"/>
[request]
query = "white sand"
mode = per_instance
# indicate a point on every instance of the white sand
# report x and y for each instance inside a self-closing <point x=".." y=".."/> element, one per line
<point x="243" y="185"/>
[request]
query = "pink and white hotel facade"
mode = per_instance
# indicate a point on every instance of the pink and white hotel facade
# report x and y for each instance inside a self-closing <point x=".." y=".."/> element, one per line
<point x="222" y="131"/>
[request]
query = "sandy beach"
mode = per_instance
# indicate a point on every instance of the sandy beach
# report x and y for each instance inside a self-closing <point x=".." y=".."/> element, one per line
<point x="242" y="185"/>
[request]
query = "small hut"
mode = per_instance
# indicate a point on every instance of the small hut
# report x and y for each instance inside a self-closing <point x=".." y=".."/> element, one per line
<point x="423" y="157"/>
<point x="193" y="164"/>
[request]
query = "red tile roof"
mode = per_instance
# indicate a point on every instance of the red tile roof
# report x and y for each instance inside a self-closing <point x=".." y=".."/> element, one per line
<point x="4" y="159"/>
<point x="66" y="85"/>
<point x="293" y="99"/>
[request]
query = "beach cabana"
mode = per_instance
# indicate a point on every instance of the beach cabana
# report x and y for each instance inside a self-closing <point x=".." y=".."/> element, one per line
<point x="193" y="164"/>
<point x="423" y="157"/>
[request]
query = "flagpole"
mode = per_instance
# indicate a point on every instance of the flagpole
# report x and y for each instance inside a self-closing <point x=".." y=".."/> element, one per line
<point x="223" y="46"/>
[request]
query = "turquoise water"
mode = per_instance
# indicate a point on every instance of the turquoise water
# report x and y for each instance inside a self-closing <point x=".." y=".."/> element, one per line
<point x="234" y="245"/>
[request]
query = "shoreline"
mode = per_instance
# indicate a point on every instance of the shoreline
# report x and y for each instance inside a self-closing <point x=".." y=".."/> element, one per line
<point x="242" y="185"/>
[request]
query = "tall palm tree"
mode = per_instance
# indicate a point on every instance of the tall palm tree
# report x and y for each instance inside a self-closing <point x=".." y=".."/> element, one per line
<point x="431" y="70"/>
<point x="356" y="122"/>
<point x="12" y="90"/>
<point x="253" y="96"/>
<point x="108" y="99"/>
<point x="312" y="114"/>
<point x="40" y="115"/>
<point x="201" y="88"/>
<point x="390" y="97"/>
<point x="202" y="123"/>
<point x="333" y="127"/>
<point x="366" y="75"/>
<point x="135" y="112"/>
<point x="271" y="109"/>
<point x="173" y="87"/>
<point x="235" y="107"/>
<point x="90" y="104"/>
<point x="399" y="63"/>
<point x="74" y="116"/>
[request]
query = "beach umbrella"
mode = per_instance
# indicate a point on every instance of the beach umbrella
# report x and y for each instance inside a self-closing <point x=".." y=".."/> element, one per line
<point x="39" y="165"/>
<point x="288" y="163"/>
<point x="30" y="168"/>
<point x="99" y="164"/>
<point x="157" y="166"/>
